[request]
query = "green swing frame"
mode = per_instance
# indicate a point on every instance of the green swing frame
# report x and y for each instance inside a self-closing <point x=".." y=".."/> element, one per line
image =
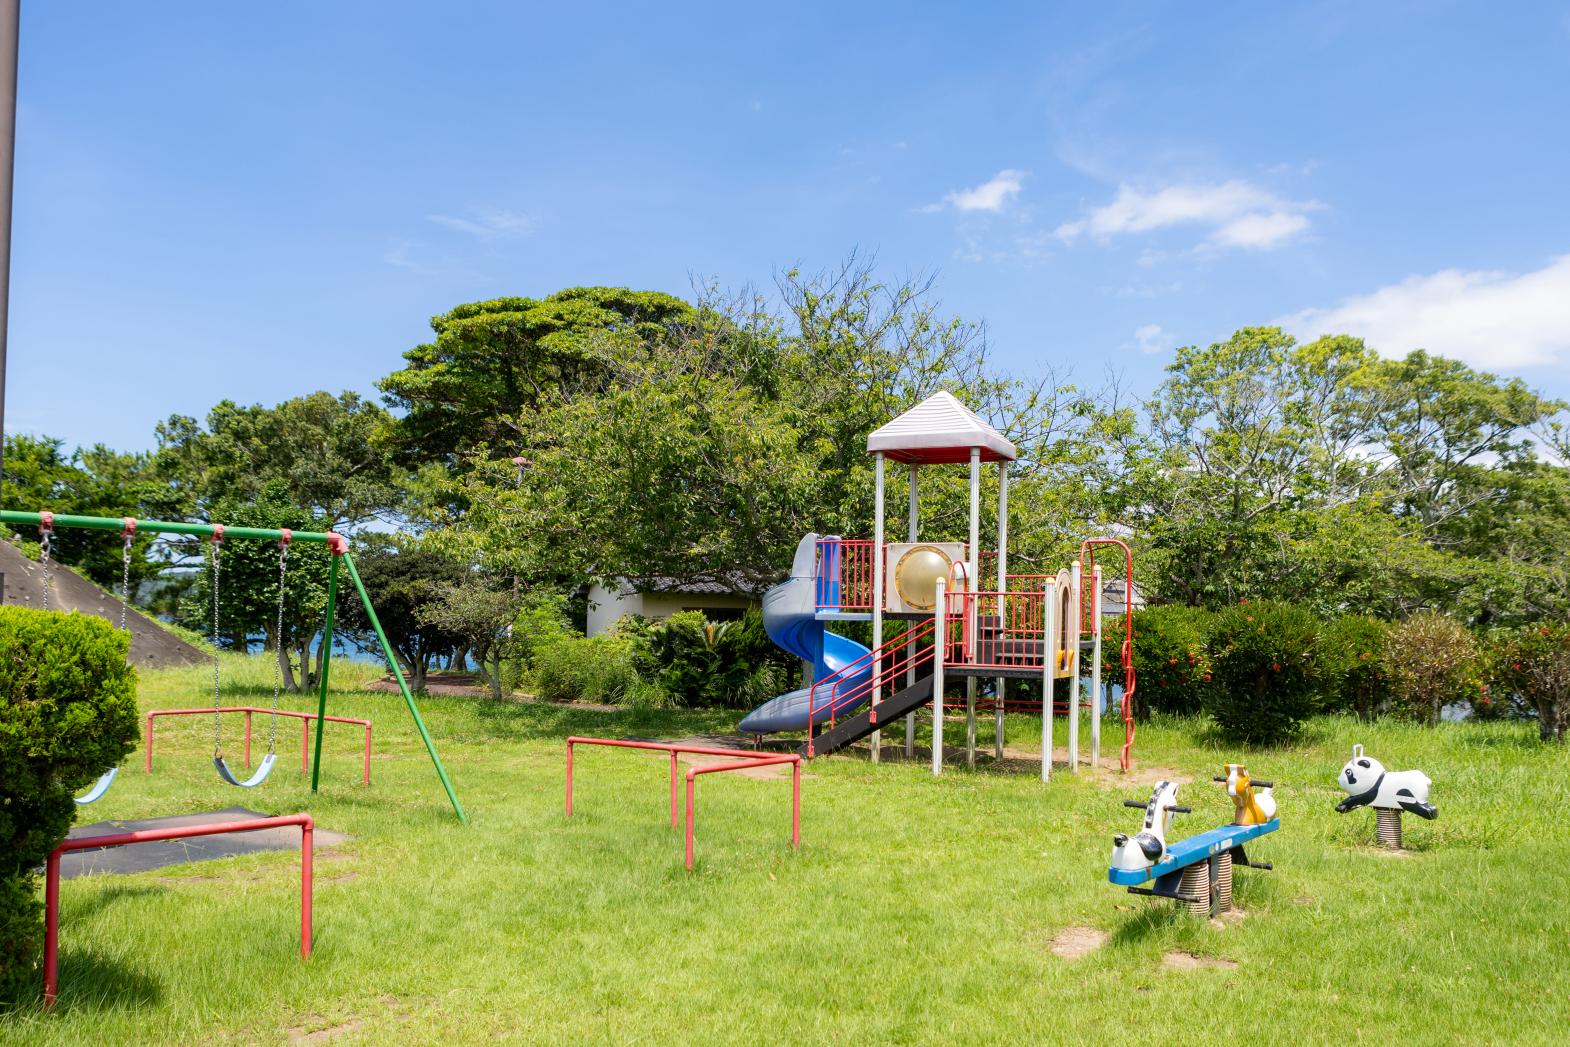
<point x="339" y="547"/>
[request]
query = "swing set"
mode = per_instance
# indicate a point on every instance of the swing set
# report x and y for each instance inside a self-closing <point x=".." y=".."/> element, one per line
<point x="337" y="545"/>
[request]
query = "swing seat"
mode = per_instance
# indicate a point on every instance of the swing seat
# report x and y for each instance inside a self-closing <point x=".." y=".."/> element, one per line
<point x="100" y="787"/>
<point x="263" y="769"/>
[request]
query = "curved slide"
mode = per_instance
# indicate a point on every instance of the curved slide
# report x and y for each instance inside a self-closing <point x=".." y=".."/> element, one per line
<point x="790" y="618"/>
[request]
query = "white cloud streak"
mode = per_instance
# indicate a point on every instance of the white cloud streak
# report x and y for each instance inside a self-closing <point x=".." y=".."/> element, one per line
<point x="1238" y="213"/>
<point x="1487" y="319"/>
<point x="993" y="195"/>
<point x="488" y="224"/>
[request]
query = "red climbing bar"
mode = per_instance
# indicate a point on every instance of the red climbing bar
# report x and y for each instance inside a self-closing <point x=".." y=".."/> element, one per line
<point x="741" y="759"/>
<point x="739" y="765"/>
<point x="248" y="710"/>
<point x="92" y="843"/>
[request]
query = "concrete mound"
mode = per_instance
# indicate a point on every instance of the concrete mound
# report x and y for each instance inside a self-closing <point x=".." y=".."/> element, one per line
<point x="152" y="646"/>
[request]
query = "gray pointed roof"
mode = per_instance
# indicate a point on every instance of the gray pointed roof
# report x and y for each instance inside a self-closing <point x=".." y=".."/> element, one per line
<point x="940" y="429"/>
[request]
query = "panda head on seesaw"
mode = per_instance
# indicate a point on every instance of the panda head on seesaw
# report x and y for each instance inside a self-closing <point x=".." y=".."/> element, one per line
<point x="1360" y="772"/>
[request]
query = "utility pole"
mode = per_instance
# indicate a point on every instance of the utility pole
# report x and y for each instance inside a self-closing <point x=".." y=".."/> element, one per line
<point x="10" y="24"/>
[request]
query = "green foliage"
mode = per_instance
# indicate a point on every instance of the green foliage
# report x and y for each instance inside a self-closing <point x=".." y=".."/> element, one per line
<point x="1433" y="661"/>
<point x="320" y="449"/>
<point x="494" y="361"/>
<point x="587" y="669"/>
<point x="67" y="714"/>
<point x="1266" y="671"/>
<point x="1532" y="663"/>
<point x="1171" y="663"/>
<point x="704" y="664"/>
<point x="93" y="481"/>
<point x="248" y="579"/>
<point x="404" y="577"/>
<point x="1357" y="676"/>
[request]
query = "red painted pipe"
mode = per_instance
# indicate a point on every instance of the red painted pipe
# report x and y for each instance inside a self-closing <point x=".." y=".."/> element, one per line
<point x="90" y="843"/>
<point x="740" y="765"/>
<point x="248" y="710"/>
<point x="741" y="759"/>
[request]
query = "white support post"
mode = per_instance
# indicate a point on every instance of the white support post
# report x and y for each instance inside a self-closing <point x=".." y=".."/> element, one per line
<point x="1074" y="664"/>
<point x="877" y="597"/>
<point x="1096" y="701"/>
<point x="1003" y="587"/>
<point x="910" y="671"/>
<point x="972" y="558"/>
<point x="1049" y="658"/>
<point x="939" y="636"/>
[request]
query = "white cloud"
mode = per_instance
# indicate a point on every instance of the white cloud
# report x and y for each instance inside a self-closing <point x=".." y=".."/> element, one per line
<point x="1260" y="230"/>
<point x="1487" y="319"/>
<point x="1239" y="213"/>
<point x="488" y="224"/>
<point x="1150" y="338"/>
<point x="992" y="195"/>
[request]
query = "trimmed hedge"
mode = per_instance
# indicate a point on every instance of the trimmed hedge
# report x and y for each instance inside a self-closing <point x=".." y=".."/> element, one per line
<point x="1533" y="664"/>
<point x="67" y="714"/>
<point x="1266" y="671"/>
<point x="1171" y="664"/>
<point x="1357" y="674"/>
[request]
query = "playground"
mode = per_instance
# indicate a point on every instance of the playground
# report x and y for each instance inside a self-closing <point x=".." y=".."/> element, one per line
<point x="916" y="908"/>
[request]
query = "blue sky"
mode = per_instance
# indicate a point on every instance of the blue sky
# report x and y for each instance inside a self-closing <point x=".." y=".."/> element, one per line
<point x="256" y="201"/>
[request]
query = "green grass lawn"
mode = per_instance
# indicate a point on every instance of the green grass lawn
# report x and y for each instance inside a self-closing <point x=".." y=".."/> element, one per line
<point x="917" y="910"/>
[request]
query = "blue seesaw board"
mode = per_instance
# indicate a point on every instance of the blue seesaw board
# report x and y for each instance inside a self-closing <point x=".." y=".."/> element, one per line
<point x="1194" y="849"/>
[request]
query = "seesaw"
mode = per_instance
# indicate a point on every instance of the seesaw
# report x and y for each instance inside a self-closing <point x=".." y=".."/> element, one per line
<point x="1196" y="871"/>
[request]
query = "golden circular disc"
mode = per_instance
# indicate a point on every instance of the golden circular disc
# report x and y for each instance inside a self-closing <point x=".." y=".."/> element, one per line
<point x="917" y="574"/>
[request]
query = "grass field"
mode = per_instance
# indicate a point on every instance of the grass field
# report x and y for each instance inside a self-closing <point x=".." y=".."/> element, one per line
<point x="917" y="910"/>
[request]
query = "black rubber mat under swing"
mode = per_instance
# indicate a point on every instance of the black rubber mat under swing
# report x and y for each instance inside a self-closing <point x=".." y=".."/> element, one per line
<point x="141" y="857"/>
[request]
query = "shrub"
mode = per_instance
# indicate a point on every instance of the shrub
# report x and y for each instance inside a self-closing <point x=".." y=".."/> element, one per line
<point x="1357" y="677"/>
<point x="1266" y="671"/>
<point x="1433" y="662"/>
<point x="585" y="669"/>
<point x="697" y="662"/>
<point x="67" y="714"/>
<point x="1534" y="663"/>
<point x="1171" y="665"/>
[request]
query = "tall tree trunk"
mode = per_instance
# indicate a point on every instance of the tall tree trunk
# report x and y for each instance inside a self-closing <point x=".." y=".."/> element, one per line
<point x="307" y="677"/>
<point x="285" y="668"/>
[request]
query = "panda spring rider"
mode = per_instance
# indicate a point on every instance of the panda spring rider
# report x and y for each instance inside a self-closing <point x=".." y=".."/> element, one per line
<point x="1367" y="784"/>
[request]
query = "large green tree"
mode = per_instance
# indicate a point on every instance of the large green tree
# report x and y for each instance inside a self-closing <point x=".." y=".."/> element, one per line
<point x="321" y="451"/>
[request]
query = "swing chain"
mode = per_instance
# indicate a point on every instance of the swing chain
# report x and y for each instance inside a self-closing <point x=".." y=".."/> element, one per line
<point x="283" y="563"/>
<point x="45" y="541"/>
<point x="125" y="576"/>
<point x="217" y="692"/>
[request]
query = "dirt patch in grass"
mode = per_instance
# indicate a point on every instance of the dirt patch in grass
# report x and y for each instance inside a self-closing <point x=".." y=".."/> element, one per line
<point x="299" y="1033"/>
<point x="1071" y="943"/>
<point x="1179" y="960"/>
<point x="1232" y="916"/>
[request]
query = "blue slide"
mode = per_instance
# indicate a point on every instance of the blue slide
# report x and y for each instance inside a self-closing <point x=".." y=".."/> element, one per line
<point x="790" y="617"/>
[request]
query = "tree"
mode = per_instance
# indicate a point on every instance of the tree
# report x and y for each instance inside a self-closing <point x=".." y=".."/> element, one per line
<point x="248" y="584"/>
<point x="704" y="446"/>
<point x="495" y="361"/>
<point x="405" y="577"/>
<point x="321" y="449"/>
<point x="481" y="616"/>
<point x="95" y="481"/>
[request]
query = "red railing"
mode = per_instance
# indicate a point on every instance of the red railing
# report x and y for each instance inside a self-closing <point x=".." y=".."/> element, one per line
<point x="743" y="761"/>
<point x="1087" y="559"/>
<point x="842" y="574"/>
<point x="248" y="710"/>
<point x="992" y="630"/>
<point x="89" y="843"/>
<point x="883" y="666"/>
